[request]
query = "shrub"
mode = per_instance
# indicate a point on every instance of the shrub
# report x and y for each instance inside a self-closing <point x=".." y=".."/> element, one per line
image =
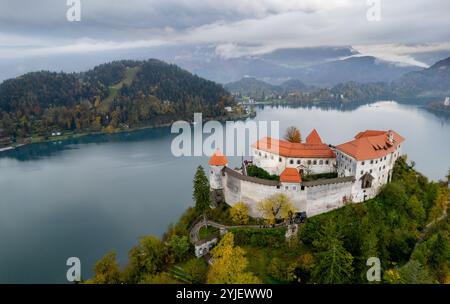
<point x="258" y="172"/>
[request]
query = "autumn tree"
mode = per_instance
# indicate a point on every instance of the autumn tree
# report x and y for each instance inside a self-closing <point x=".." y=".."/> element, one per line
<point x="229" y="265"/>
<point x="276" y="206"/>
<point x="293" y="135"/>
<point x="201" y="190"/>
<point x="439" y="205"/>
<point x="196" y="270"/>
<point x="106" y="271"/>
<point x="178" y="246"/>
<point x="334" y="262"/>
<point x="415" y="209"/>
<point x="412" y="272"/>
<point x="147" y="258"/>
<point x="239" y="213"/>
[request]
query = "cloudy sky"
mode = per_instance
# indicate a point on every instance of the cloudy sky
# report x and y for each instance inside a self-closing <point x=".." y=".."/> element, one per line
<point x="33" y="30"/>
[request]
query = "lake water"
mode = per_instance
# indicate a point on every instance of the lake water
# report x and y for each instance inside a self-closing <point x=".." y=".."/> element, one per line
<point x="88" y="196"/>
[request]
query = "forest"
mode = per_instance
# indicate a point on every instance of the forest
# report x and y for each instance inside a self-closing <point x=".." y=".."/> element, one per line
<point x="118" y="95"/>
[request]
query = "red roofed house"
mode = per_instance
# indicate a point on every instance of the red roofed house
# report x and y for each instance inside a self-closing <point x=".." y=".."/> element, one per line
<point x="370" y="158"/>
<point x="311" y="157"/>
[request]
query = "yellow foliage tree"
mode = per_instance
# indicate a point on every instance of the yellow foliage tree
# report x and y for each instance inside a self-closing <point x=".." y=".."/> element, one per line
<point x="229" y="264"/>
<point x="293" y="135"/>
<point x="439" y="205"/>
<point x="276" y="206"/>
<point x="239" y="213"/>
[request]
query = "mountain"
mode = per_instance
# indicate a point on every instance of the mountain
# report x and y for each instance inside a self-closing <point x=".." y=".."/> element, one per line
<point x="122" y="93"/>
<point x="362" y="69"/>
<point x="259" y="90"/>
<point x="318" y="66"/>
<point x="253" y="88"/>
<point x="431" y="82"/>
<point x="294" y="85"/>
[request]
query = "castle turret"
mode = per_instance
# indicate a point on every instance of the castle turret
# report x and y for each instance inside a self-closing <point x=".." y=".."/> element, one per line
<point x="216" y="162"/>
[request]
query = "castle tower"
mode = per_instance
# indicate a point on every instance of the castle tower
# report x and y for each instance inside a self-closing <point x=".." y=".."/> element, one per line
<point x="216" y="163"/>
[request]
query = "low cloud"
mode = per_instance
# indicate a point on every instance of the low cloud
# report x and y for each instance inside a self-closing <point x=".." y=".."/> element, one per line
<point x="235" y="27"/>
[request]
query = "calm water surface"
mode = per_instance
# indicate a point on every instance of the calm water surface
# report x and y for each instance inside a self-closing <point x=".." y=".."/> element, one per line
<point x="92" y="195"/>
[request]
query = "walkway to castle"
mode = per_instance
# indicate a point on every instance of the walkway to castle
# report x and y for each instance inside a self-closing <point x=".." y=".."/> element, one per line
<point x="194" y="232"/>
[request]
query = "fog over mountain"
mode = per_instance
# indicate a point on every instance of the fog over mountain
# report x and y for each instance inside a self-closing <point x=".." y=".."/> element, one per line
<point x="270" y="40"/>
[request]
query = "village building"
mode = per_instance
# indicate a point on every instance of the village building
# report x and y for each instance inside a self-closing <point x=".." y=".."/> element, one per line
<point x="361" y="166"/>
<point x="310" y="157"/>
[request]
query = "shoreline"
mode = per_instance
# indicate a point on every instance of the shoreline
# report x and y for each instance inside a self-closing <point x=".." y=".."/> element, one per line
<point x="65" y="137"/>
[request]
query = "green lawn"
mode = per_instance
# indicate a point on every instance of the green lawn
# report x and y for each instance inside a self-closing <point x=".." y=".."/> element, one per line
<point x="206" y="232"/>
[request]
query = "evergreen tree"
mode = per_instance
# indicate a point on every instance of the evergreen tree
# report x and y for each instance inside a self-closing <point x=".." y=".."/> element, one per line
<point x="201" y="190"/>
<point x="334" y="263"/>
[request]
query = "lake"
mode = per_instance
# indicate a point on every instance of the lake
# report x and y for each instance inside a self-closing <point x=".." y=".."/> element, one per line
<point x="87" y="196"/>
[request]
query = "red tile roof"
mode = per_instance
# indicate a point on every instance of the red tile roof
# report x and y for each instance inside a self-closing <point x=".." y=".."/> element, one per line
<point x="313" y="138"/>
<point x="218" y="159"/>
<point x="312" y="148"/>
<point x="371" y="144"/>
<point x="290" y="175"/>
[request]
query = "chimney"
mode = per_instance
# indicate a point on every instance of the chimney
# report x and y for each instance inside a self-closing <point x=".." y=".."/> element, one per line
<point x="390" y="137"/>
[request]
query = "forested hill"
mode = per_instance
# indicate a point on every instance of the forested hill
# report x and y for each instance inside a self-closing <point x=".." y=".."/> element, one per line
<point x="110" y="96"/>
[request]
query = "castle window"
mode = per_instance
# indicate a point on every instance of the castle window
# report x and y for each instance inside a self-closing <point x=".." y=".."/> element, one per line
<point x="327" y="162"/>
<point x="298" y="162"/>
<point x="362" y="172"/>
<point x="278" y="186"/>
<point x="370" y="170"/>
<point x="309" y="162"/>
<point x="271" y="156"/>
<point x="321" y="162"/>
<point x="294" y="188"/>
<point x="279" y="159"/>
<point x="362" y="163"/>
<point x="371" y="162"/>
<point x="286" y="188"/>
<point x="291" y="161"/>
<point x="302" y="188"/>
<point x="265" y="155"/>
<point x="315" y="162"/>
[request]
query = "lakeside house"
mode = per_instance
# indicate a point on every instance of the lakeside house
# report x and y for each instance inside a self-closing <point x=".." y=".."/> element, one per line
<point x="361" y="167"/>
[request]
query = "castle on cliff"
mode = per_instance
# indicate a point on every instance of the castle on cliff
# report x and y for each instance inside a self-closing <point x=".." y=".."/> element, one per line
<point x="359" y="168"/>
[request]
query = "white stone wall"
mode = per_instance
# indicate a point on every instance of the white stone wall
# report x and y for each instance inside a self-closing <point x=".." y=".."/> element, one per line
<point x="215" y="177"/>
<point x="272" y="164"/>
<point x="324" y="198"/>
<point x="312" y="200"/>
<point x="379" y="168"/>
<point x="237" y="190"/>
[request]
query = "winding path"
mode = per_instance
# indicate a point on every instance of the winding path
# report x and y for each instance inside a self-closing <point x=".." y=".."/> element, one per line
<point x="195" y="229"/>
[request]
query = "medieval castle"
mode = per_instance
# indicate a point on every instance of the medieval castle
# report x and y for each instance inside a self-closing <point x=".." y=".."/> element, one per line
<point x="361" y="166"/>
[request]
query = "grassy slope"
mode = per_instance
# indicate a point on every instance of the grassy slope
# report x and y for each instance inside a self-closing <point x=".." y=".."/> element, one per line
<point x="130" y="74"/>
